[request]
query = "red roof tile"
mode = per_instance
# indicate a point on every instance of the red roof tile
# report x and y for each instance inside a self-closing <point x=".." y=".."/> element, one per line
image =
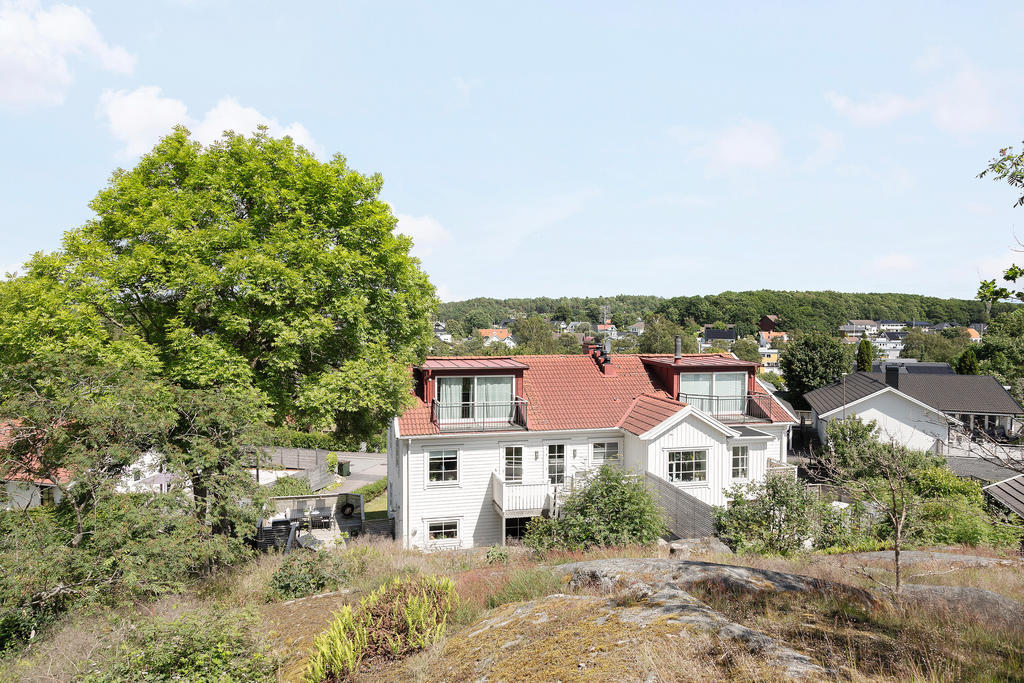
<point x="473" y="363"/>
<point x="647" y="412"/>
<point x="571" y="392"/>
<point x="499" y="333"/>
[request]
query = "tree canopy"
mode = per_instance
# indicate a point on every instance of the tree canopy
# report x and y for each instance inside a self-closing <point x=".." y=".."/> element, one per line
<point x="811" y="362"/>
<point x="246" y="263"/>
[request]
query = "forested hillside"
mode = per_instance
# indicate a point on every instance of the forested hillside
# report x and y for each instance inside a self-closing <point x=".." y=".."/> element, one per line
<point x="805" y="311"/>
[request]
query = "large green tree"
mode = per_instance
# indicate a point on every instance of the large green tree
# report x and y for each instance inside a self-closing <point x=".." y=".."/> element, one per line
<point x="747" y="349"/>
<point x="811" y="362"/>
<point x="250" y="263"/>
<point x="865" y="355"/>
<point x="660" y="334"/>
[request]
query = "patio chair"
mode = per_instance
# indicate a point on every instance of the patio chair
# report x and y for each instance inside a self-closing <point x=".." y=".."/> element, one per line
<point x="325" y="514"/>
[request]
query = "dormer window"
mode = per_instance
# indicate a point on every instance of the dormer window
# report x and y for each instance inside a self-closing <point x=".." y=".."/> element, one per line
<point x="475" y="398"/>
<point x="481" y="397"/>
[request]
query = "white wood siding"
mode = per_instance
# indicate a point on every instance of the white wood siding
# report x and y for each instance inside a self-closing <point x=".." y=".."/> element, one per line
<point x="899" y="420"/>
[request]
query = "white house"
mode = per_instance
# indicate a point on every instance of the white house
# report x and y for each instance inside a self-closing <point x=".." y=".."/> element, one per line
<point x="491" y="442"/>
<point x="917" y="408"/>
<point x="900" y="418"/>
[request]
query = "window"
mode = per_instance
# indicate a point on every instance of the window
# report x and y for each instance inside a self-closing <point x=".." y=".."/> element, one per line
<point x="136" y="475"/>
<point x="740" y="462"/>
<point x="606" y="453"/>
<point x="687" y="466"/>
<point x="515" y="527"/>
<point x="717" y="392"/>
<point x="514" y="464"/>
<point x="556" y="463"/>
<point x="480" y="398"/>
<point x="439" y="531"/>
<point x="46" y="495"/>
<point x="443" y="466"/>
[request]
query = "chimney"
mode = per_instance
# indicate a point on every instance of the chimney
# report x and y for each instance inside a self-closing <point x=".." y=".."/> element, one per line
<point x="679" y="350"/>
<point x="892" y="376"/>
<point x="604" y="360"/>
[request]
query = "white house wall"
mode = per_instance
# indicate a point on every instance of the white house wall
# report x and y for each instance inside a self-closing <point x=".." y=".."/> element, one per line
<point x="692" y="433"/>
<point x="899" y="420"/>
<point x="470" y="501"/>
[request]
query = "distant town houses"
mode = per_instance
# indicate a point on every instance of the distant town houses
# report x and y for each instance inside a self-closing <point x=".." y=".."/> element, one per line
<point x="498" y="335"/>
<point x="888" y="337"/>
<point x="637" y="328"/>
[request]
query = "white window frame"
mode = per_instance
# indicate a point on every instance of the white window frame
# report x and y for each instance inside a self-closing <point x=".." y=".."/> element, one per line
<point x="504" y="462"/>
<point x="604" y="442"/>
<point x="714" y="394"/>
<point x="547" y="462"/>
<point x="472" y="417"/>
<point x="688" y="482"/>
<point x="458" y="466"/>
<point x="746" y="463"/>
<point x="457" y="538"/>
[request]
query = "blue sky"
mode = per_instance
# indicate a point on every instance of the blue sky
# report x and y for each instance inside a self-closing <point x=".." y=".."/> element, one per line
<point x="561" y="148"/>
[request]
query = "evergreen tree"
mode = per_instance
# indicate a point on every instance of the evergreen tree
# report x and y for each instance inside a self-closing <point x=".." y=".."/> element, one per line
<point x="967" y="363"/>
<point x="865" y="355"/>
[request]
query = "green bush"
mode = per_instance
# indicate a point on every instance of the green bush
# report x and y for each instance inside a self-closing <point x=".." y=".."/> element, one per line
<point x="294" y="438"/>
<point x="301" y="574"/>
<point x="613" y="509"/>
<point x="391" y="622"/>
<point x="773" y="517"/>
<point x="951" y="510"/>
<point x="497" y="554"/>
<point x="208" y="646"/>
<point x="372" y="490"/>
<point x="290" y="486"/>
<point x="525" y="584"/>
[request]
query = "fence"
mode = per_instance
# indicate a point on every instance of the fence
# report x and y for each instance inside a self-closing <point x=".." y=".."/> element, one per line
<point x="318" y="476"/>
<point x="686" y="516"/>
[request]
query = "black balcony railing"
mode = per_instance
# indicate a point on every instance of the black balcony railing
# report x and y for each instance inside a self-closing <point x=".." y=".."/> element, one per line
<point x="733" y="409"/>
<point x="479" y="416"/>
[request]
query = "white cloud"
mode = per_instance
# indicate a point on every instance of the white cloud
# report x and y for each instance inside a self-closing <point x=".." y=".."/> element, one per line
<point x="140" y="117"/>
<point x="465" y="85"/>
<point x="426" y="233"/>
<point x="962" y="99"/>
<point x="746" y="145"/>
<point x="883" y="108"/>
<point x="36" y="46"/>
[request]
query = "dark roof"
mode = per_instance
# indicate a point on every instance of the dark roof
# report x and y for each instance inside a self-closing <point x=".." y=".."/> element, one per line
<point x="890" y="322"/>
<point x="712" y="333"/>
<point x="1010" y="493"/>
<point x="977" y="468"/>
<point x="958" y="393"/>
<point x="914" y="368"/>
<point x="857" y="386"/>
<point x="893" y="336"/>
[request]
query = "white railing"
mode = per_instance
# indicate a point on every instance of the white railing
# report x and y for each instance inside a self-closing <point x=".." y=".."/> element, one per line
<point x="776" y="468"/>
<point x="514" y="497"/>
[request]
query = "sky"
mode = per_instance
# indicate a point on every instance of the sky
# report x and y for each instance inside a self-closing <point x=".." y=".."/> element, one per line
<point x="561" y="149"/>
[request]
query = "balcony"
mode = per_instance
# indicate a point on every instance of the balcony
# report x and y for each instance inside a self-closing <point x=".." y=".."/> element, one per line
<point x="732" y="409"/>
<point x="479" y="416"/>
<point x="527" y="500"/>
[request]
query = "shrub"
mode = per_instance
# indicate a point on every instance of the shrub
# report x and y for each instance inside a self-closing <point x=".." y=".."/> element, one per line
<point x="301" y="574"/>
<point x="290" y="486"/>
<point x="198" y="646"/>
<point x="389" y="623"/>
<point x="372" y="490"/>
<point x="613" y="509"/>
<point x="772" y="517"/>
<point x="497" y="554"/>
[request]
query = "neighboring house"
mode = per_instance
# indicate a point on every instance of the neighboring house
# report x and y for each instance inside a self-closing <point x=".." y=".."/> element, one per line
<point x="711" y="335"/>
<point x="973" y="334"/>
<point x="888" y="345"/>
<point x="942" y="327"/>
<point x="769" y="360"/>
<point x="768" y="323"/>
<point x="922" y="325"/>
<point x="855" y="328"/>
<point x="890" y="325"/>
<point x="900" y="418"/>
<point x="898" y="397"/>
<point x="491" y="442"/>
<point x="980" y="328"/>
<point x="498" y="335"/>
<point x="441" y="332"/>
<point x="608" y="330"/>
<point x="23" y="490"/>
<point x="767" y="339"/>
<point x="913" y="366"/>
<point x="573" y="326"/>
<point x="637" y="328"/>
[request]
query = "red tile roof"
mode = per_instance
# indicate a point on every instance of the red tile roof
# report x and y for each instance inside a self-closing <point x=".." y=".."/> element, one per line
<point x="647" y="412"/>
<point x="473" y="363"/>
<point x="571" y="392"/>
<point x="28" y="471"/>
<point x="499" y="333"/>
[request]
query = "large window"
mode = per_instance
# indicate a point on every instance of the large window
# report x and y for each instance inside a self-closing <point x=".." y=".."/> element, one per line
<point x="475" y="398"/>
<point x="514" y="464"/>
<point x="714" y="392"/>
<point x="556" y="463"/>
<point x="688" y="466"/>
<point x="606" y="453"/>
<point x="443" y="467"/>
<point x="740" y="462"/>
<point x="443" y="530"/>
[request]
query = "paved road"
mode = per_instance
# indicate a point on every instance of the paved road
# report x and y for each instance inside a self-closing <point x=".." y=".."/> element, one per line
<point x="366" y="469"/>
